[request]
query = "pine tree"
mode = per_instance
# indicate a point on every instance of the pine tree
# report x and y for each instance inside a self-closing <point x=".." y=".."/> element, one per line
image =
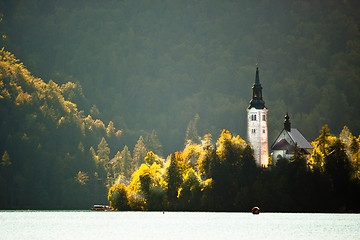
<point x="139" y="154"/>
<point x="110" y="130"/>
<point x="117" y="167"/>
<point x="322" y="140"/>
<point x="153" y="144"/>
<point x="126" y="161"/>
<point x="103" y="151"/>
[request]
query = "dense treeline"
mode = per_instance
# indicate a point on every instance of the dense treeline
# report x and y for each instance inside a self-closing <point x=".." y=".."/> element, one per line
<point x="155" y="64"/>
<point x="54" y="155"/>
<point x="224" y="177"/>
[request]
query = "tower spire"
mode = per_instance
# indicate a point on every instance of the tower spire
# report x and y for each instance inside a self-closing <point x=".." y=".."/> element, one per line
<point x="257" y="100"/>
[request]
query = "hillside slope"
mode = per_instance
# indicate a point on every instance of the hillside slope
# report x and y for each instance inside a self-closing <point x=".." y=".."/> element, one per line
<point x="46" y="142"/>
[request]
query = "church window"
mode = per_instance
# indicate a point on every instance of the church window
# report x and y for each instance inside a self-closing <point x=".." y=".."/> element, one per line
<point x="263" y="130"/>
<point x="253" y="130"/>
<point x="263" y="117"/>
<point x="253" y="117"/>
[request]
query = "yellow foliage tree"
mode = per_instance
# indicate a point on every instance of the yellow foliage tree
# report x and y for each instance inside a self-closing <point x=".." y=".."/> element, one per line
<point x="144" y="181"/>
<point x="118" y="197"/>
<point x="191" y="154"/>
<point x="227" y="138"/>
<point x="355" y="151"/>
<point x="152" y="158"/>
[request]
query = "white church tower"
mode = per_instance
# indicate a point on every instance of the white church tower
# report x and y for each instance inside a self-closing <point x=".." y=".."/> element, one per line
<point x="257" y="131"/>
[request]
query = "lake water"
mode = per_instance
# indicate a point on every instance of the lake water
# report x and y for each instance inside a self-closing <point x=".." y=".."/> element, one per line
<point x="88" y="225"/>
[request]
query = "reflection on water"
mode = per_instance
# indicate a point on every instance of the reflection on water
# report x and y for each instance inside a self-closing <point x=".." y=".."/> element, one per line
<point x="175" y="225"/>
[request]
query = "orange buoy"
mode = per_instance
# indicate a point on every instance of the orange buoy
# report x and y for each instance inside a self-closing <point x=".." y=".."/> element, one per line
<point x="255" y="210"/>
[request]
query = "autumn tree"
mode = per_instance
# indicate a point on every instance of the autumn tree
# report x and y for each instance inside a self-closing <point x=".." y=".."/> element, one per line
<point x="324" y="139"/>
<point x="174" y="178"/>
<point x="207" y="158"/>
<point x="321" y="148"/>
<point x="317" y="160"/>
<point x="110" y="130"/>
<point x="152" y="158"/>
<point x="227" y="174"/>
<point x="355" y="151"/>
<point x="147" y="188"/>
<point x="190" y="192"/>
<point x="191" y="154"/>
<point x="118" y="197"/>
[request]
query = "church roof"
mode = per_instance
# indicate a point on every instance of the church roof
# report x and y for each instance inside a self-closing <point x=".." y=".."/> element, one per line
<point x="299" y="139"/>
<point x="283" y="145"/>
<point x="295" y="136"/>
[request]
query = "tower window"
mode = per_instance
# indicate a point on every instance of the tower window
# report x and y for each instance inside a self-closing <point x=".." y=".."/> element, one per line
<point x="263" y="117"/>
<point x="263" y="130"/>
<point x="253" y="130"/>
<point x="253" y="117"/>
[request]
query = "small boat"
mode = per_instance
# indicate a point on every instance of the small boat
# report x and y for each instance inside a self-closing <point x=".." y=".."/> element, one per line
<point x="102" y="208"/>
<point x="255" y="210"/>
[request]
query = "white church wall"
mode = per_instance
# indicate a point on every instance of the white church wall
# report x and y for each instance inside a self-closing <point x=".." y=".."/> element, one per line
<point x="257" y="134"/>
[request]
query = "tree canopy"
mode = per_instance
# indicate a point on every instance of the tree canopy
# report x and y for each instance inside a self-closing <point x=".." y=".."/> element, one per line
<point x="225" y="177"/>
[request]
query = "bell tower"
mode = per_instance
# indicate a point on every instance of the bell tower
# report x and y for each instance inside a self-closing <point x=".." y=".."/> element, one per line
<point x="257" y="131"/>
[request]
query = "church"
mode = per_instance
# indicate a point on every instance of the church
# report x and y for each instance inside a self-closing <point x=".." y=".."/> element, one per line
<point x="285" y="143"/>
<point x="257" y="132"/>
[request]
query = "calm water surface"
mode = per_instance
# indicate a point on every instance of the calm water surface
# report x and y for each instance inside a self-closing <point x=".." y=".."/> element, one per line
<point x="175" y="225"/>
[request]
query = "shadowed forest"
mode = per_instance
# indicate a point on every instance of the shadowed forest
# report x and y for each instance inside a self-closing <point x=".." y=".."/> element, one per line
<point x="121" y="79"/>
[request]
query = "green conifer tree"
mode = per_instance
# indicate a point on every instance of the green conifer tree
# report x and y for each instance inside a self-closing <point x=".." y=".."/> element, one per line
<point x="139" y="154"/>
<point x="153" y="144"/>
<point x="126" y="162"/>
<point x="103" y="151"/>
<point x="117" y="169"/>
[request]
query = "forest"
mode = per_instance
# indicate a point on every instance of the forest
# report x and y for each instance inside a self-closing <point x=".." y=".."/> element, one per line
<point x="108" y="82"/>
<point x="224" y="177"/>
